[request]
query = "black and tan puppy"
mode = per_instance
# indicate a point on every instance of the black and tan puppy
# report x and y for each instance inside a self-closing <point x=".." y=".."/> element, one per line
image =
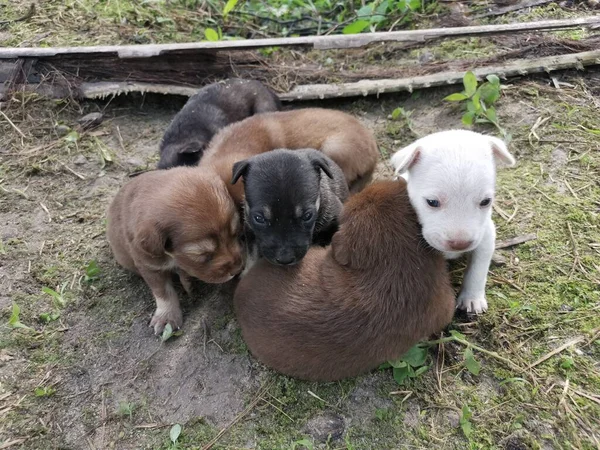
<point x="214" y="107"/>
<point x="293" y="198"/>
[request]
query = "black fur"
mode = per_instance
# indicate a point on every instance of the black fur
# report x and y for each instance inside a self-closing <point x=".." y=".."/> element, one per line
<point x="214" y="107"/>
<point x="282" y="187"/>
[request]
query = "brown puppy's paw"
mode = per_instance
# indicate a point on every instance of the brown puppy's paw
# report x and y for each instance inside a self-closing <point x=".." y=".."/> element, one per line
<point x="162" y="317"/>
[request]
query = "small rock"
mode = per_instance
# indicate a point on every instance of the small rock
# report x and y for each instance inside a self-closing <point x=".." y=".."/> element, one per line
<point x="62" y="130"/>
<point x="566" y="308"/>
<point x="426" y="57"/>
<point x="80" y="160"/>
<point x="453" y="418"/>
<point x="498" y="259"/>
<point x="325" y="425"/>
<point x="91" y="120"/>
<point x="135" y="163"/>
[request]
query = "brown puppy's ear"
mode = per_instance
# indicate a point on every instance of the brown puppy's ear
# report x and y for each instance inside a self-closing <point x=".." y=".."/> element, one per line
<point x="152" y="239"/>
<point x="319" y="162"/>
<point x="240" y="168"/>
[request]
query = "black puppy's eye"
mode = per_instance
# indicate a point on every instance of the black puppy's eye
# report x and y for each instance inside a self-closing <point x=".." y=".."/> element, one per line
<point x="433" y="203"/>
<point x="259" y="218"/>
<point x="485" y="202"/>
<point x="307" y="216"/>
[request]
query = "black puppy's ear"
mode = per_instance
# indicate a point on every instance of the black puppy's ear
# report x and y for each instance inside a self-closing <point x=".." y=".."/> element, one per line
<point x="240" y="168"/>
<point x="193" y="147"/>
<point x="320" y="163"/>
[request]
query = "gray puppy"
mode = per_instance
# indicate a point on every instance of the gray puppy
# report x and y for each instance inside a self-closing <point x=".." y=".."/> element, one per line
<point x="293" y="199"/>
<point x="214" y="107"/>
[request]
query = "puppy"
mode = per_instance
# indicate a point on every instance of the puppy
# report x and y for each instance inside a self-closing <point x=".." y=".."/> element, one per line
<point x="339" y="135"/>
<point x="451" y="182"/>
<point x="343" y="310"/>
<point x="177" y="221"/>
<point x="292" y="199"/>
<point x="212" y="108"/>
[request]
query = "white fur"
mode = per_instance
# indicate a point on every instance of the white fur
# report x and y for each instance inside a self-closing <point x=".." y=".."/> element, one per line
<point x="457" y="168"/>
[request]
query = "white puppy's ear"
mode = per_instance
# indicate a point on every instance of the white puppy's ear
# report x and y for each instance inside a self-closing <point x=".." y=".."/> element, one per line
<point x="404" y="159"/>
<point x="500" y="152"/>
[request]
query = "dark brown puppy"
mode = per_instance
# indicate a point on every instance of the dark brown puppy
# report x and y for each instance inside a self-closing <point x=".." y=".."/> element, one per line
<point x="214" y="107"/>
<point x="339" y="135"/>
<point x="181" y="220"/>
<point x="344" y="310"/>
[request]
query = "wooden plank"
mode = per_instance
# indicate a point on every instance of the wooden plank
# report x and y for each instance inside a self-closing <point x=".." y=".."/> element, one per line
<point x="375" y="87"/>
<point x="317" y="42"/>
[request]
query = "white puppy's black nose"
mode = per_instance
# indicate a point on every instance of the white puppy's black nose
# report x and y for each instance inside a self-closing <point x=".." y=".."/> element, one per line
<point x="459" y="245"/>
<point x="285" y="260"/>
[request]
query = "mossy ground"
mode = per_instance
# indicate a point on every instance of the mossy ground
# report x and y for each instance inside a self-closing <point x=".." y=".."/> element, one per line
<point x="95" y="377"/>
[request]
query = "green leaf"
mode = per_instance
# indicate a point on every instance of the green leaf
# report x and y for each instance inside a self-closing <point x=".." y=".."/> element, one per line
<point x="92" y="271"/>
<point x="58" y="298"/>
<point x="488" y="93"/>
<point x="385" y="365"/>
<point x="229" y="7"/>
<point x="14" y="321"/>
<point x="493" y="79"/>
<point x="49" y="317"/>
<point x="413" y="5"/>
<point x="175" y="432"/>
<point x="421" y="370"/>
<point x="401" y="374"/>
<point x="365" y="11"/>
<point x="467" y="118"/>
<point x="471" y="363"/>
<point x="457" y="335"/>
<point x="490" y="113"/>
<point x="416" y="356"/>
<point x="73" y="136"/>
<point x="458" y="97"/>
<point x="307" y="443"/>
<point x="470" y="83"/>
<point x="382" y="8"/>
<point x="476" y="100"/>
<point x="45" y="391"/>
<point x="464" y="421"/>
<point x="355" y="27"/>
<point x="167" y="333"/>
<point x="399" y="363"/>
<point x="211" y="35"/>
<point x="397" y="112"/>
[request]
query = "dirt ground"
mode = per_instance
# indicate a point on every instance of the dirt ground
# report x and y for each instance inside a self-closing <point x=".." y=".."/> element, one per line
<point x="96" y="377"/>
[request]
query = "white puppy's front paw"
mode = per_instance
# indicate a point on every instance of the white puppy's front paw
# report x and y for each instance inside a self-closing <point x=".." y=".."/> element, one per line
<point x="474" y="304"/>
<point x="162" y="317"/>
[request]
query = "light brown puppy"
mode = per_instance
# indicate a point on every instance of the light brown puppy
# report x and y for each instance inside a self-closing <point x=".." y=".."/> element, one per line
<point x="181" y="220"/>
<point x="344" y="310"/>
<point x="339" y="135"/>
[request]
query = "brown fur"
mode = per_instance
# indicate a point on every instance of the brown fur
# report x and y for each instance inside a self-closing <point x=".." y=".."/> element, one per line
<point x="181" y="220"/>
<point x="339" y="135"/>
<point x="344" y="310"/>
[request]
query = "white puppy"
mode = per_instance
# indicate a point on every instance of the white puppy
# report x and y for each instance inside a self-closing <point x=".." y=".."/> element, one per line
<point x="451" y="182"/>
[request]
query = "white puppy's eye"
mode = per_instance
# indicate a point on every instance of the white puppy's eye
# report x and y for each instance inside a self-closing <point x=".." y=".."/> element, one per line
<point x="485" y="202"/>
<point x="307" y="216"/>
<point x="433" y="203"/>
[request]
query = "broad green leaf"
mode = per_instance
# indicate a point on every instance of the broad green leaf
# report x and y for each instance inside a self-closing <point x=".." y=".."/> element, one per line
<point x="167" y="333"/>
<point x="491" y="114"/>
<point x="416" y="356"/>
<point x="396" y="113"/>
<point x="421" y="370"/>
<point x="457" y="335"/>
<point x="476" y="100"/>
<point x="413" y="5"/>
<point x="14" y="321"/>
<point x="399" y="363"/>
<point x="365" y="11"/>
<point x="471" y="107"/>
<point x="464" y="421"/>
<point x="175" y="432"/>
<point x="488" y="93"/>
<point x="467" y="118"/>
<point x="49" y="317"/>
<point x="470" y="83"/>
<point x="471" y="363"/>
<point x="73" y="136"/>
<point x="211" y="35"/>
<point x="401" y="374"/>
<point x="493" y="79"/>
<point x="382" y="8"/>
<point x="307" y="443"/>
<point x="456" y="97"/>
<point x="229" y="7"/>
<point x="355" y="27"/>
<point x="385" y="365"/>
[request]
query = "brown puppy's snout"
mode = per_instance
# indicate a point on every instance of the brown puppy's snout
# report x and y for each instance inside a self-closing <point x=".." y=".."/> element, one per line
<point x="459" y="245"/>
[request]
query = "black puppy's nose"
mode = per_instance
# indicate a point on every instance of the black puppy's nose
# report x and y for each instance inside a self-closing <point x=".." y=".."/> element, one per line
<point x="285" y="260"/>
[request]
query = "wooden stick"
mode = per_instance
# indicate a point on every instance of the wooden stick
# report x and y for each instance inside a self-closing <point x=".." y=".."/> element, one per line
<point x="317" y="42"/>
<point x="375" y="87"/>
<point x="557" y="350"/>
<point x="516" y="240"/>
